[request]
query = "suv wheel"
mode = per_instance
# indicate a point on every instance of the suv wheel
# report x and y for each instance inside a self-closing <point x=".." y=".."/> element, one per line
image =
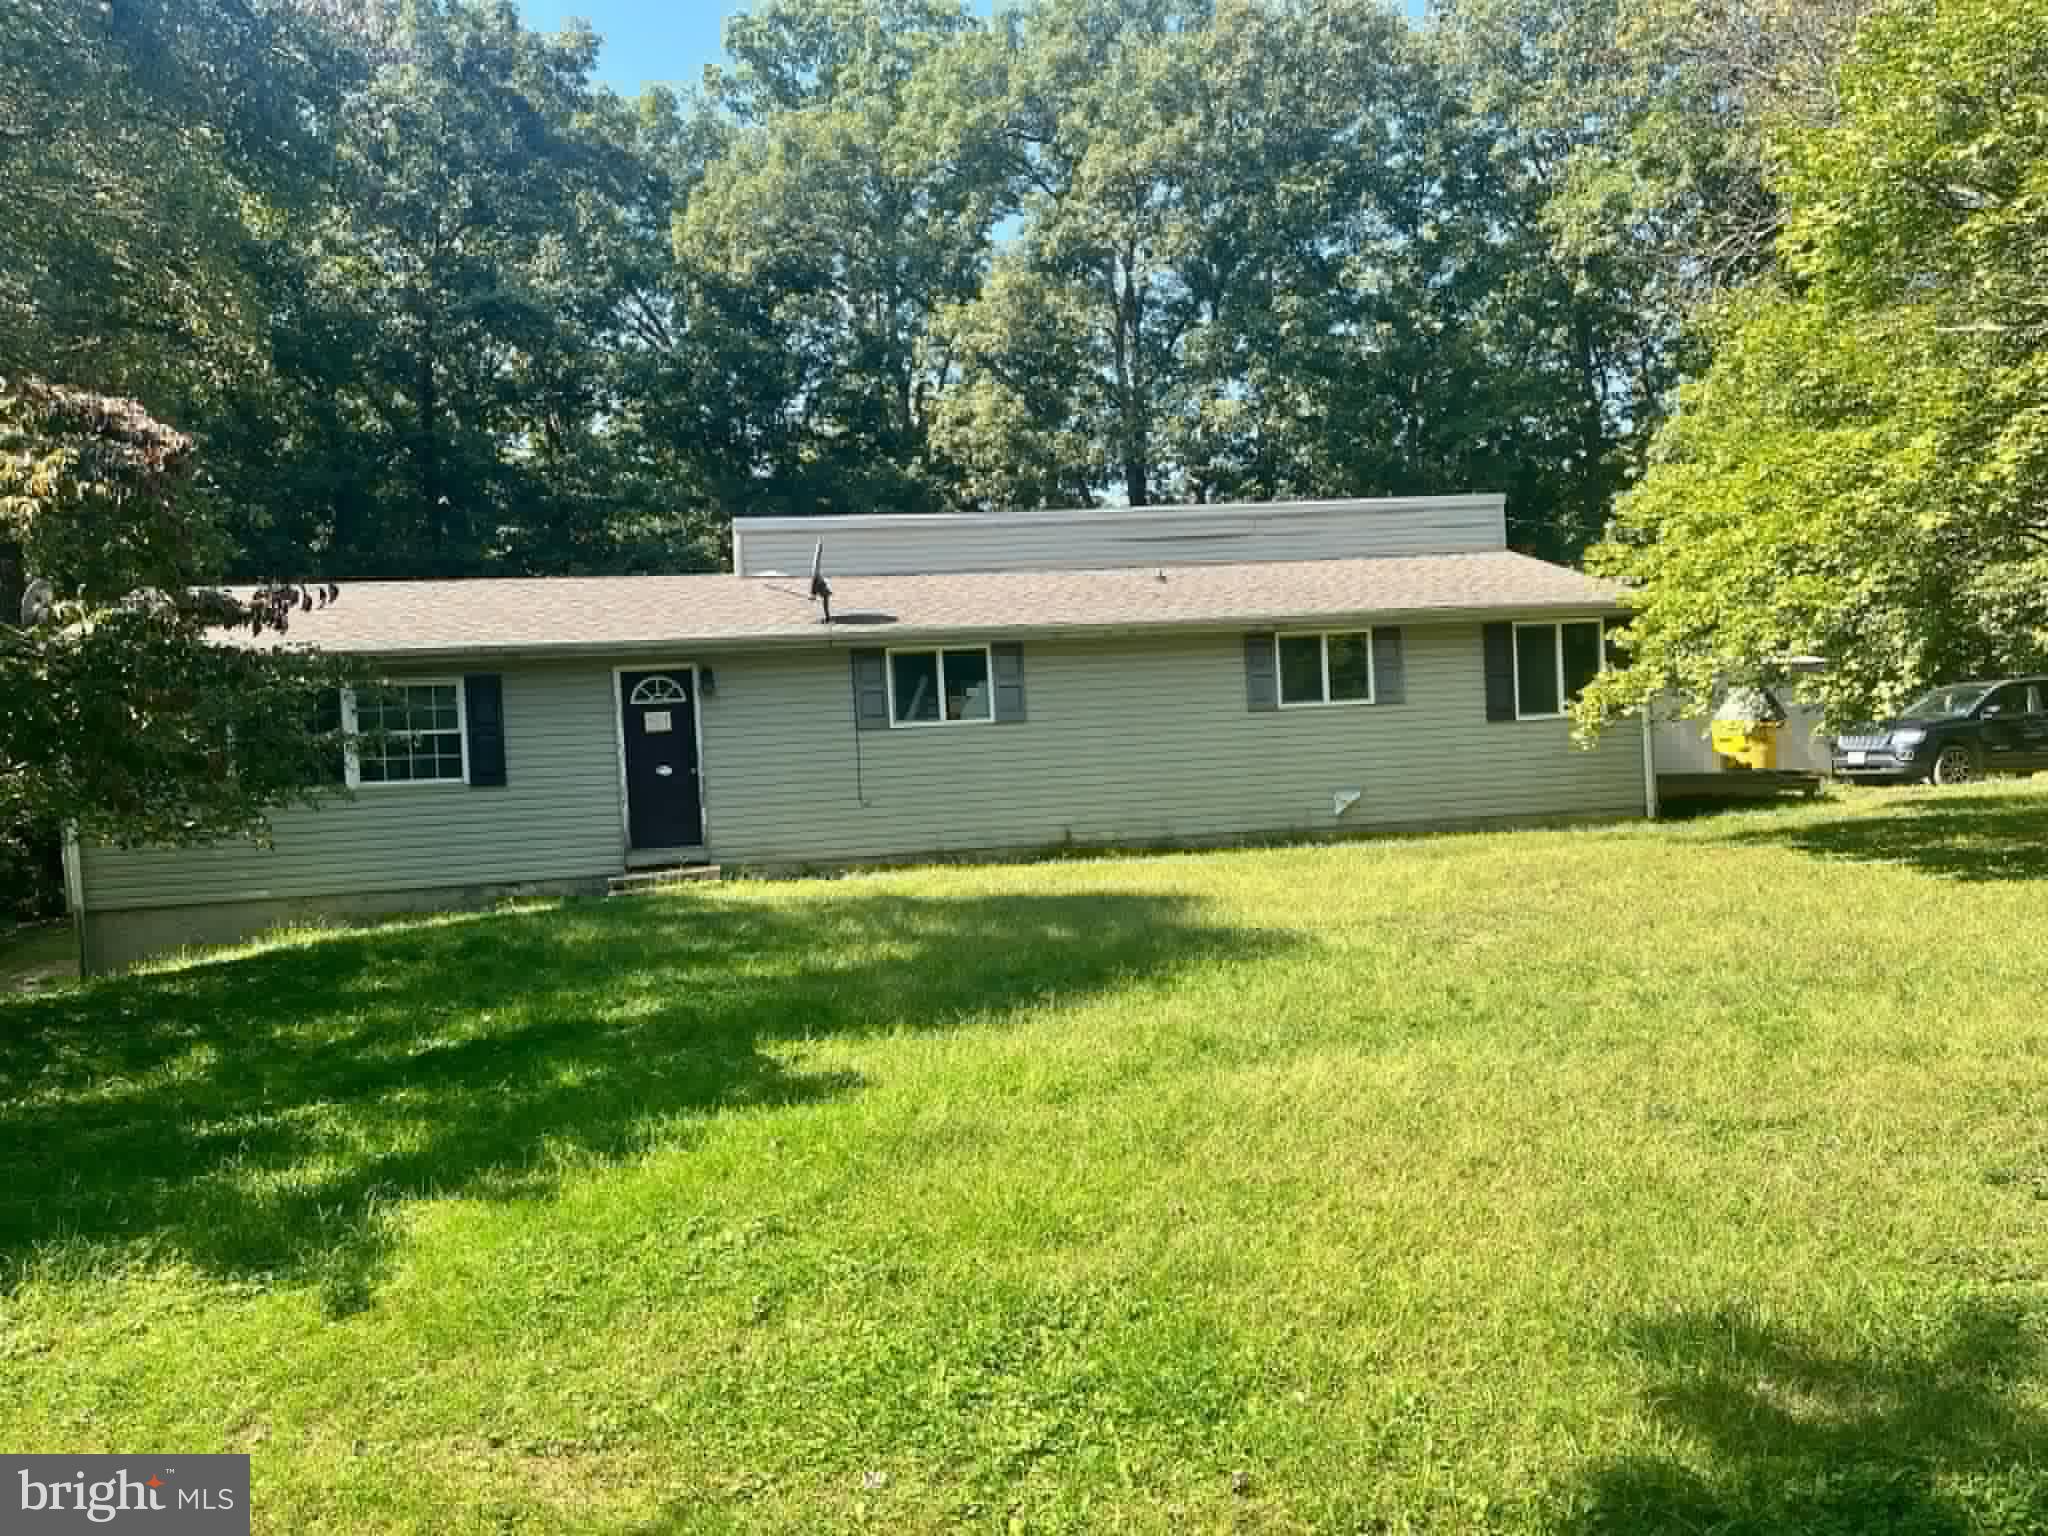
<point x="1954" y="764"/>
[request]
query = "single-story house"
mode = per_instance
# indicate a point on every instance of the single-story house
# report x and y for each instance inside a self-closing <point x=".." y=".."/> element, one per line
<point x="986" y="684"/>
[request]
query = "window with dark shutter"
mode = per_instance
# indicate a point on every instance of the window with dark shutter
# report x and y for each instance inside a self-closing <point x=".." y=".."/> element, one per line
<point x="1261" y="675"/>
<point x="1497" y="644"/>
<point x="1390" y="668"/>
<point x="1325" y="666"/>
<point x="1008" y="659"/>
<point x="331" y="759"/>
<point x="409" y="732"/>
<point x="870" y="689"/>
<point x="484" y="712"/>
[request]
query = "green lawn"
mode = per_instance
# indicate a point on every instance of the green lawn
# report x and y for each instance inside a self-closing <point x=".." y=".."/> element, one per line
<point x="1678" y="1178"/>
<point x="34" y="956"/>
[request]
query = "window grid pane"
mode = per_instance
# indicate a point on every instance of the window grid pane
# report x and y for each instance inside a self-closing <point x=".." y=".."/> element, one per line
<point x="1350" y="666"/>
<point x="1301" y="669"/>
<point x="915" y="677"/>
<point x="1581" y="657"/>
<point x="967" y="691"/>
<point x="419" y="726"/>
<point x="1536" y="669"/>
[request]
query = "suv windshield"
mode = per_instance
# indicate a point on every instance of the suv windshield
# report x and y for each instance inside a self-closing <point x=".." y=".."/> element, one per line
<point x="1955" y="699"/>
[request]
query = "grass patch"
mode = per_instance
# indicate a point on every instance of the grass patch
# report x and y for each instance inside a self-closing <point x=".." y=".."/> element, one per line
<point x="1687" y="1177"/>
<point x="36" y="956"/>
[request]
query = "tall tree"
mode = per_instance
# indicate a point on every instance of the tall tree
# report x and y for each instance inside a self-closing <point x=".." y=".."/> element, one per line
<point x="446" y="324"/>
<point x="1863" y="471"/>
<point x="1189" y="182"/>
<point x="124" y="712"/>
<point x="838" y="220"/>
<point x="1086" y="311"/>
<point x="138" y="143"/>
<point x="1631" y="143"/>
<point x="435" y="303"/>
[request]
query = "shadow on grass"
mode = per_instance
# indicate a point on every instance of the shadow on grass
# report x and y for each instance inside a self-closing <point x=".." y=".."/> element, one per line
<point x="265" y="1117"/>
<point x="37" y="956"/>
<point x="1798" y="1435"/>
<point x="1950" y="833"/>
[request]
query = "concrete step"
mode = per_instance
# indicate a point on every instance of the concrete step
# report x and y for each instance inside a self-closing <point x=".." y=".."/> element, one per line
<point x="635" y="881"/>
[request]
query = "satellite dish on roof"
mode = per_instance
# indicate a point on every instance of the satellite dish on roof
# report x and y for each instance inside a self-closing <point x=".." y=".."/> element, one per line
<point x="821" y="589"/>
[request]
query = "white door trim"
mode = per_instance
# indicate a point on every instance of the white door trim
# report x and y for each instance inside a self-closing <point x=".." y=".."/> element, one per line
<point x="619" y="746"/>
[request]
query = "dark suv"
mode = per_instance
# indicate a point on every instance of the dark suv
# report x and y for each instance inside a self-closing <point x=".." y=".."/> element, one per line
<point x="1954" y="734"/>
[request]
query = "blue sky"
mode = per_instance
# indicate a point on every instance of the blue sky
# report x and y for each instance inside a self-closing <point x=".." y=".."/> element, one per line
<point x="648" y="41"/>
<point x="659" y="40"/>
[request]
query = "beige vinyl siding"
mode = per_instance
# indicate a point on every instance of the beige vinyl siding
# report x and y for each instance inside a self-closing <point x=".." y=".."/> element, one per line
<point x="1118" y="537"/>
<point x="556" y="818"/>
<point x="1131" y="740"/>
<point x="1126" y="740"/>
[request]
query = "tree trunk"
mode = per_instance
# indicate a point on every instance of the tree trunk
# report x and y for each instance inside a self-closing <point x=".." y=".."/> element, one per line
<point x="1592" y="437"/>
<point x="1135" y="429"/>
<point x="429" y="443"/>
<point x="13" y="580"/>
<point x="1137" y="479"/>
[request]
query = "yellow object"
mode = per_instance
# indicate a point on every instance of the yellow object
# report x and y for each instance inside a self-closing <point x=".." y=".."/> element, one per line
<point x="1746" y="743"/>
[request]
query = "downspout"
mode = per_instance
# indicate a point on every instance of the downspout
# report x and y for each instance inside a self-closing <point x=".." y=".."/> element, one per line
<point x="74" y="891"/>
<point x="1649" y="768"/>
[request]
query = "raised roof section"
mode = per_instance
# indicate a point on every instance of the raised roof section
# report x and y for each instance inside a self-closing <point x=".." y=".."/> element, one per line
<point x="1100" y="538"/>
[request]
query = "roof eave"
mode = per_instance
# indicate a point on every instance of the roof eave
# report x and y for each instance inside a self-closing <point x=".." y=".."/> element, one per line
<point x="849" y="637"/>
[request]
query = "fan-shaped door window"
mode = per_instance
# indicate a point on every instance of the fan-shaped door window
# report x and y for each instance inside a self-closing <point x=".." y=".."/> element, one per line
<point x="660" y="688"/>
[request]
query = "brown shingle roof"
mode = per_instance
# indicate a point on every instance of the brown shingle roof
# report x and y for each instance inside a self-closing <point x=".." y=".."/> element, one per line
<point x="629" y="613"/>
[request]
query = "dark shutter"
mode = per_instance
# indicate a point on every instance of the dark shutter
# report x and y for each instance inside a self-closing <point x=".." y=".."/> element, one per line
<point x="1389" y="667"/>
<point x="1261" y="673"/>
<point x="332" y="767"/>
<point x="1008" y="660"/>
<point x="870" y="689"/>
<point x="1498" y="643"/>
<point x="483" y="709"/>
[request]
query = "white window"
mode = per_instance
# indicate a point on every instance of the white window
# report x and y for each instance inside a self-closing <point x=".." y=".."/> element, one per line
<point x="1328" y="667"/>
<point x="416" y="733"/>
<point x="1553" y="665"/>
<point x="940" y="687"/>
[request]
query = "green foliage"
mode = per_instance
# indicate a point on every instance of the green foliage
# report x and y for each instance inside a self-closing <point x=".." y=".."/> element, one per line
<point x="137" y="142"/>
<point x="95" y="492"/>
<point x="442" y="398"/>
<point x="1863" y="471"/>
<point x="848" y="213"/>
<point x="138" y="725"/>
<point x="126" y="710"/>
<point x="439" y="305"/>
